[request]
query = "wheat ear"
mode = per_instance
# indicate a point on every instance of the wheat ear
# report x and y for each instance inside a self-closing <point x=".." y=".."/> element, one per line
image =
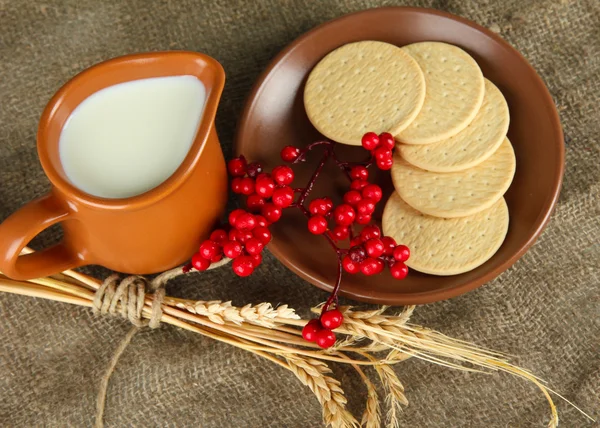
<point x="314" y="374"/>
<point x="218" y="312"/>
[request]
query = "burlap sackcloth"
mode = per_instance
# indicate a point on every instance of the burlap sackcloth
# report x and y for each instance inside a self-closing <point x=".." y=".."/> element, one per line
<point x="545" y="309"/>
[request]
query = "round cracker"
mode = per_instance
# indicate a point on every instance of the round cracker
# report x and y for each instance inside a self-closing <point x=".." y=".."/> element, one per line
<point x="456" y="194"/>
<point x="471" y="146"/>
<point x="442" y="246"/>
<point x="454" y="92"/>
<point x="363" y="87"/>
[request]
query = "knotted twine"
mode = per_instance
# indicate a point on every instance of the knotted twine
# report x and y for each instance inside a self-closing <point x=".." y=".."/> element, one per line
<point x="127" y="298"/>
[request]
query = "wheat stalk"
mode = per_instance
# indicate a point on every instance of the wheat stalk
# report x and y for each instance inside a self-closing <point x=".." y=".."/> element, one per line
<point x="314" y="374"/>
<point x="393" y="332"/>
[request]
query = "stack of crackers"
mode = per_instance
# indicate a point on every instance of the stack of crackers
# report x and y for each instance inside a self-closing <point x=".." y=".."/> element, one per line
<point x="453" y="162"/>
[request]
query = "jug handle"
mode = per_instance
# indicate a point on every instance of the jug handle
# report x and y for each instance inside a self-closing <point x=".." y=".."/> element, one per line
<point x="21" y="227"/>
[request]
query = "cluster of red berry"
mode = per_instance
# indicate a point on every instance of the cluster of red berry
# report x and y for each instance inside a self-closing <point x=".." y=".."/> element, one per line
<point x="381" y="147"/>
<point x="247" y="233"/>
<point x="319" y="330"/>
<point x="243" y="242"/>
<point x="358" y="207"/>
<point x="268" y="194"/>
<point x="370" y="251"/>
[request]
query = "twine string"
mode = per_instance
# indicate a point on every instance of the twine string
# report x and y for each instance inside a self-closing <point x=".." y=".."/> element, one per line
<point x="126" y="298"/>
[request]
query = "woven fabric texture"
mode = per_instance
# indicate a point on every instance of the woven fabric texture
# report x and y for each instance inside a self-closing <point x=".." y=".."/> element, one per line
<point x="545" y="309"/>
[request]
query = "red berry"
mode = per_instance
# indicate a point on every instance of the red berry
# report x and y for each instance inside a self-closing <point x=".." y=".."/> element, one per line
<point x="358" y="184"/>
<point x="245" y="235"/>
<point x="216" y="258"/>
<point x="260" y="221"/>
<point x="401" y="253"/>
<point x="350" y="266"/>
<point x="253" y="246"/>
<point x="371" y="266"/>
<point x="363" y="219"/>
<point x="317" y="224"/>
<point x="370" y="232"/>
<point x="263" y="175"/>
<point x="385" y="164"/>
<point x="320" y="206"/>
<point x="357" y="254"/>
<point x="310" y="330"/>
<point x="356" y="241"/>
<point x="325" y="338"/>
<point x="374" y="247"/>
<point x="237" y="166"/>
<point x="209" y="249"/>
<point x="271" y="212"/>
<point x="246" y="186"/>
<point x="365" y="207"/>
<point x="359" y="173"/>
<point x="373" y="192"/>
<point x="339" y="233"/>
<point x="382" y="153"/>
<point x="283" y="175"/>
<point x="254" y="169"/>
<point x="256" y="259"/>
<point x="386" y="140"/>
<point x="389" y="244"/>
<point x="262" y="234"/>
<point x="370" y="141"/>
<point x="218" y="235"/>
<point x="399" y="270"/>
<point x="332" y="319"/>
<point x="352" y="197"/>
<point x="255" y="202"/>
<point x="243" y="265"/>
<point x="283" y="197"/>
<point x="199" y="262"/>
<point x="236" y="185"/>
<point x="234" y="235"/>
<point x="245" y="222"/>
<point x="328" y="205"/>
<point x="232" y="249"/>
<point x="234" y="215"/>
<point x="290" y="153"/>
<point x="344" y="215"/>
<point x="265" y="186"/>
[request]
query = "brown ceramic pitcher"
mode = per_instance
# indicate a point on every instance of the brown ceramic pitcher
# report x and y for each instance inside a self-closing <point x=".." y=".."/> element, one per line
<point x="142" y="234"/>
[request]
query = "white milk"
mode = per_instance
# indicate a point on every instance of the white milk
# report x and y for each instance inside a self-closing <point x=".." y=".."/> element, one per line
<point x="128" y="138"/>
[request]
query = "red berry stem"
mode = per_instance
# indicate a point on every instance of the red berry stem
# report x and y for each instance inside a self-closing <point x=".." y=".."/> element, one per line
<point x="347" y="166"/>
<point x="338" y="282"/>
<point x="305" y="192"/>
<point x="304" y="151"/>
<point x="313" y="178"/>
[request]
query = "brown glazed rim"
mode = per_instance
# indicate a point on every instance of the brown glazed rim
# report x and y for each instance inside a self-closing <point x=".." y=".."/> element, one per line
<point x="432" y="295"/>
<point x="180" y="174"/>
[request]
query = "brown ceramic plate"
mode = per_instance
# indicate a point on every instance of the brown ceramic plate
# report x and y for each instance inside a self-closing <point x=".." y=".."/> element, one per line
<point x="274" y="117"/>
